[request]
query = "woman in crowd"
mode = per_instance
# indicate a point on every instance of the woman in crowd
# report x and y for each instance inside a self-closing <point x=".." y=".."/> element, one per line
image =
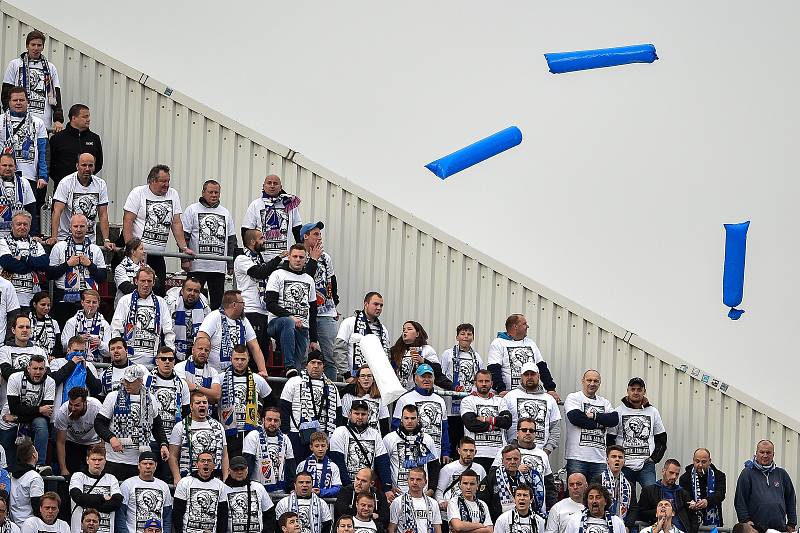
<point x="127" y="269"/>
<point x="45" y="332"/>
<point x="410" y="351"/>
<point x="364" y="388"/>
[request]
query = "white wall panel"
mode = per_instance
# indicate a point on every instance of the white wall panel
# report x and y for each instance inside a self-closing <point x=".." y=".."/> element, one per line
<point x="424" y="274"/>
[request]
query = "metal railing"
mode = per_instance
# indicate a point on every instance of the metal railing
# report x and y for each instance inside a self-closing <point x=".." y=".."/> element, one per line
<point x="641" y="525"/>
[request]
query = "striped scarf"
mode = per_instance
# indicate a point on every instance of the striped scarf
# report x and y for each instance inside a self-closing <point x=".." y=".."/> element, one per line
<point x="463" y="510"/>
<point x="457" y="366"/>
<point x="20" y="141"/>
<point x="326" y="415"/>
<point x="505" y="485"/>
<point x="43" y="333"/>
<point x="89" y="326"/>
<point x="187" y="324"/>
<point x="316" y="511"/>
<point x="585" y="521"/>
<point x="78" y="277"/>
<point x="130" y="324"/>
<point x="258" y="259"/>
<point x="363" y="327"/>
<point x="121" y="420"/>
<point x="49" y="87"/>
<point x="620" y="492"/>
<point x="107" y="377"/>
<point x="268" y="468"/>
<point x="177" y="384"/>
<point x="228" y="405"/>
<point x="407" y="521"/>
<point x="225" y="346"/>
<point x="319" y="470"/>
<point x="13" y="203"/>
<point x="271" y="223"/>
<point x="415" y="452"/>
<point x="709" y="515"/>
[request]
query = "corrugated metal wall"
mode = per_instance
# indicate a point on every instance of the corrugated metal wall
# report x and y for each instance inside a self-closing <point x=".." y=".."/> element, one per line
<point x="423" y="274"/>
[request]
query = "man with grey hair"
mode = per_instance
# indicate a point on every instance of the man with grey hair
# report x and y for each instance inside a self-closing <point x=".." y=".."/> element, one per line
<point x="209" y="230"/>
<point x="151" y="211"/>
<point x="75" y="264"/>
<point x="765" y="496"/>
<point x="276" y="213"/>
<point x="22" y="258"/>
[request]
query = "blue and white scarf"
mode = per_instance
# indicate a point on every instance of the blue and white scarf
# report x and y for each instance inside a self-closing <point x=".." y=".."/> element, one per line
<point x="533" y="479"/>
<point x="620" y="492"/>
<point x="11" y="204"/>
<point x="266" y="460"/>
<point x="709" y="515"/>
<point x="585" y="521"/>
<point x="407" y="521"/>
<point x="320" y="472"/>
<point x="122" y="419"/>
<point x="271" y="224"/>
<point x="130" y="324"/>
<point x="187" y="324"/>
<point x="191" y="368"/>
<point x="107" y="377"/>
<point x="316" y="510"/>
<point x="78" y="277"/>
<point x="177" y="384"/>
<point x="43" y="332"/>
<point x="225" y="346"/>
<point x="20" y="141"/>
<point x="457" y="365"/>
<point x="89" y="326"/>
<point x="49" y="87"/>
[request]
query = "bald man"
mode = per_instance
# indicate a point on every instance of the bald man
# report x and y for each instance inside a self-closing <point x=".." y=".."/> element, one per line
<point x="706" y="483"/>
<point x="558" y="516"/>
<point x="276" y="215"/>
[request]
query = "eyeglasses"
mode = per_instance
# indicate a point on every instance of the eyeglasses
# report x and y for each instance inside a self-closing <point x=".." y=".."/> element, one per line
<point x="525" y="430"/>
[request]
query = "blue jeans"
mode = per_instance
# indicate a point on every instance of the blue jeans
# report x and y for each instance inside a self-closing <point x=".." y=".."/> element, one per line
<point x="294" y="341"/>
<point x="646" y="476"/>
<point x="41" y="433"/>
<point x="326" y="332"/>
<point x="589" y="470"/>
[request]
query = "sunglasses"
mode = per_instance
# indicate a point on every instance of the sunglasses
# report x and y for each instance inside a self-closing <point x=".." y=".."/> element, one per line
<point x="525" y="430"/>
<point x="166" y="358"/>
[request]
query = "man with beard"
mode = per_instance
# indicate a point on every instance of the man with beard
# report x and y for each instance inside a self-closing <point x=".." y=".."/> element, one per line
<point x="127" y="422"/>
<point x="560" y="514"/>
<point x="449" y="485"/>
<point x="410" y="447"/>
<point x="200" y="504"/>
<point x="22" y="258"/>
<point x="199" y="375"/>
<point x="250" y="509"/>
<point x="485" y="417"/>
<point x="227" y="327"/>
<point x="432" y="410"/>
<point x="520" y="518"/>
<point x="243" y="392"/>
<point x="667" y="488"/>
<point x="15" y="193"/>
<point x="509" y="352"/>
<point x="75" y="264"/>
<point x="29" y="407"/>
<point x="276" y="213"/>
<point x="47" y="520"/>
<point x="141" y="318"/>
<point x="209" y="230"/>
<point x="269" y="454"/>
<point x="356" y="446"/>
<point x="530" y="400"/>
<point x="313" y="513"/>
<point x="465" y="512"/>
<point x="415" y="510"/>
<point x="188" y="308"/>
<point x="497" y="490"/>
<point x="75" y="434"/>
<point x="144" y="497"/>
<point x="16" y="353"/>
<point x="623" y="499"/>
<point x="596" y="517"/>
<point x="533" y="458"/>
<point x="364" y="322"/>
<point x="363" y="521"/>
<point x="195" y="434"/>
<point x="252" y="272"/>
<point x="309" y="402"/>
<point x="346" y="500"/>
<point x="641" y="433"/>
<point x="81" y="193"/>
<point x="706" y="483"/>
<point x="95" y="489"/>
<point x="588" y="417"/>
<point x="111" y="377"/>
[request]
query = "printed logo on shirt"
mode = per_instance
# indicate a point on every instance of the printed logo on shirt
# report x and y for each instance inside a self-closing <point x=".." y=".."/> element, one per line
<point x="203" y="440"/>
<point x="105" y="518"/>
<point x="36" y="85"/>
<point x="593" y="438"/>
<point x="20" y="360"/>
<point x="130" y="430"/>
<point x="157" y="221"/>
<point x="467" y="367"/>
<point x="295" y="296"/>
<point x="275" y="226"/>
<point x="532" y="460"/>
<point x="430" y="416"/>
<point x="596" y="528"/>
<point x="33" y="394"/>
<point x="237" y="507"/>
<point x="406" y="369"/>
<point x="374" y="408"/>
<point x="165" y="396"/>
<point x="518" y="356"/>
<point x="144" y="337"/>
<point x="212" y="229"/>
<point x="536" y="409"/>
<point x="304" y="515"/>
<point x="86" y="203"/>
<point x="355" y="457"/>
<point x="201" y="509"/>
<point x="488" y="438"/>
<point x="149" y="503"/>
<point x="306" y="407"/>
<point x="365" y="529"/>
<point x="271" y="466"/>
<point x="636" y="430"/>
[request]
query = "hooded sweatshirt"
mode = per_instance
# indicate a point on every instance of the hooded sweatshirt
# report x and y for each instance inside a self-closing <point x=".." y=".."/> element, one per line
<point x="766" y="497"/>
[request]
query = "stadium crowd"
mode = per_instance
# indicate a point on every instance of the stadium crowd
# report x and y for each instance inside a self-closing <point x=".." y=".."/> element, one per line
<point x="163" y="417"/>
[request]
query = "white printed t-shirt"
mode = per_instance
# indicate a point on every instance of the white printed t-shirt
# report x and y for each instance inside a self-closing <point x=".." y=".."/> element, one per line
<point x="295" y="291"/>
<point x="154" y="215"/>
<point x="80" y="200"/>
<point x="487" y="443"/>
<point x="636" y="431"/>
<point x="586" y="444"/>
<point x="511" y="355"/>
<point x="208" y="229"/>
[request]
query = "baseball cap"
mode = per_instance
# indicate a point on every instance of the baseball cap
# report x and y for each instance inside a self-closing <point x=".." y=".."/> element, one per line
<point x="359" y="404"/>
<point x="153" y="522"/>
<point x="132" y="373"/>
<point x="238" y="462"/>
<point x="636" y="381"/>
<point x="308" y="227"/>
<point x="424" y="369"/>
<point x="530" y="366"/>
<point x="147" y="456"/>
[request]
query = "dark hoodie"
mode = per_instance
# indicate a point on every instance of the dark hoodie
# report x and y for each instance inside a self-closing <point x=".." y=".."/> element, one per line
<point x="16" y="474"/>
<point x="766" y="498"/>
<point x="179" y="510"/>
<point x="659" y="439"/>
<point x="273" y="307"/>
<point x="267" y="517"/>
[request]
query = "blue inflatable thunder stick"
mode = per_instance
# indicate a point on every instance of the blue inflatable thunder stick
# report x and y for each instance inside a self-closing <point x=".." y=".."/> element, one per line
<point x="733" y="275"/>
<point x="476" y="152"/>
<point x="561" y="62"/>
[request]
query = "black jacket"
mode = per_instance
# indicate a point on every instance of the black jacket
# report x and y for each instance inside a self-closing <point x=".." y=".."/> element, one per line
<point x="67" y="145"/>
<point x="717" y="498"/>
<point x="345" y="505"/>
<point x="652" y="495"/>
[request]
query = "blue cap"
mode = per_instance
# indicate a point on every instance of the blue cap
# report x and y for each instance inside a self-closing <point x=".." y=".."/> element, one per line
<point x="424" y="368"/>
<point x="308" y="227"/>
<point x="153" y="522"/>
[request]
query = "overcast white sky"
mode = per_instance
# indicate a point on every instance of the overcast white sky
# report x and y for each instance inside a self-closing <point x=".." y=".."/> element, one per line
<point x="617" y="195"/>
